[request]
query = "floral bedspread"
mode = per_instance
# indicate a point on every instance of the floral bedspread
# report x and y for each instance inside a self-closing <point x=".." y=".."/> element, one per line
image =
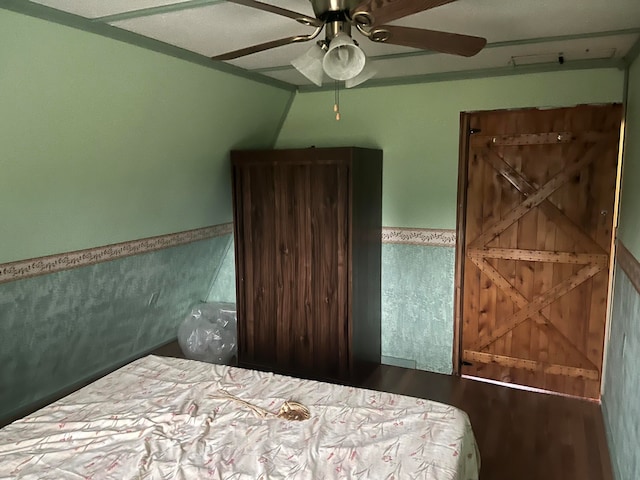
<point x="165" y="418"/>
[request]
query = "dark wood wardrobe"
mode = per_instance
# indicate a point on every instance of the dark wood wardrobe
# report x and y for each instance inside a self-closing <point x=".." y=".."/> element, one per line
<point x="307" y="227"/>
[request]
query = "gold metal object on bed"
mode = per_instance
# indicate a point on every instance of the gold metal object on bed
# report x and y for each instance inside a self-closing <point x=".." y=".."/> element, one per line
<point x="290" y="410"/>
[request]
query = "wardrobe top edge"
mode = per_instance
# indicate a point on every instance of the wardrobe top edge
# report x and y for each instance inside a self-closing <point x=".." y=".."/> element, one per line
<point x="305" y="156"/>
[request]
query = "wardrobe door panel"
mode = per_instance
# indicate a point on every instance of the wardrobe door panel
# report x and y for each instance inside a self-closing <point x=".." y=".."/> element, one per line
<point x="297" y="236"/>
<point x="329" y="266"/>
<point x="258" y="307"/>
<point x="292" y="282"/>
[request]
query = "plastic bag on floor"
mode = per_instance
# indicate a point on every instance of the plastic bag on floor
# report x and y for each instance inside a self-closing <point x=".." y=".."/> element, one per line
<point x="209" y="333"/>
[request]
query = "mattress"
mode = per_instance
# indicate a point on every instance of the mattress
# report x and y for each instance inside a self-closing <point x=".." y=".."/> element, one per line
<point x="160" y="418"/>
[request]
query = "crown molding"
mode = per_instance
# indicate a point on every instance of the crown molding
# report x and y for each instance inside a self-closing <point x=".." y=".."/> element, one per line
<point x="480" y="73"/>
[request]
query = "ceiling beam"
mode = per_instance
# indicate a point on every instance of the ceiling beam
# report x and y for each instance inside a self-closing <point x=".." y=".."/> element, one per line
<point x="146" y="12"/>
<point x="480" y="73"/>
<point x="508" y="43"/>
<point x="81" y="23"/>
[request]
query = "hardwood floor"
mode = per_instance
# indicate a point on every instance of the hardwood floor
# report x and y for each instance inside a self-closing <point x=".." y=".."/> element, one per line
<point x="521" y="435"/>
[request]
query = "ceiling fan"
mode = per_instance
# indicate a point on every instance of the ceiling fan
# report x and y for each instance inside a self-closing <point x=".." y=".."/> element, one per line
<point x="338" y="54"/>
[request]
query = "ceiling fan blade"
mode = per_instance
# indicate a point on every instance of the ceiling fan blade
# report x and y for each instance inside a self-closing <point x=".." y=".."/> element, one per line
<point x="383" y="11"/>
<point x="258" y="48"/>
<point x="304" y="19"/>
<point x="443" y="42"/>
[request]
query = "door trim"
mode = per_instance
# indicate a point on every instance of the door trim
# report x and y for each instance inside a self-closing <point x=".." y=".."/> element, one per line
<point x="461" y="219"/>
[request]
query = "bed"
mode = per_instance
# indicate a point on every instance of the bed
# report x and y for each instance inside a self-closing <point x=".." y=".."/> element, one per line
<point x="172" y="418"/>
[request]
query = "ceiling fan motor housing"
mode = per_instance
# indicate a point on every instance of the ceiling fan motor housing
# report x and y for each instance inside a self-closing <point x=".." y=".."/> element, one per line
<point x="334" y="26"/>
<point x="321" y="8"/>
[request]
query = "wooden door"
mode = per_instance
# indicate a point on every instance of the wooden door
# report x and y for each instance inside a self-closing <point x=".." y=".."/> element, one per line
<point x="537" y="229"/>
<point x="292" y="219"/>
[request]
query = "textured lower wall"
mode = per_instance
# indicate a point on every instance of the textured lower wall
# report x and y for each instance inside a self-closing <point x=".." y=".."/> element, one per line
<point x="417" y="298"/>
<point x="60" y="328"/>
<point x="417" y="305"/>
<point x="621" y="396"/>
<point x="223" y="288"/>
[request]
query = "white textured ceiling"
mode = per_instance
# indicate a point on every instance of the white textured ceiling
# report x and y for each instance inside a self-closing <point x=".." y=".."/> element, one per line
<point x="529" y="28"/>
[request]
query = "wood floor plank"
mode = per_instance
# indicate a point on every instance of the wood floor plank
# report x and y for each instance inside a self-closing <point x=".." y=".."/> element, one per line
<point x="521" y="435"/>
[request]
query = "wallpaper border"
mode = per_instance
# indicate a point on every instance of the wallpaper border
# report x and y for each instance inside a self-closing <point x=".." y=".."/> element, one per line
<point x="629" y="264"/>
<point x="80" y="258"/>
<point x="419" y="236"/>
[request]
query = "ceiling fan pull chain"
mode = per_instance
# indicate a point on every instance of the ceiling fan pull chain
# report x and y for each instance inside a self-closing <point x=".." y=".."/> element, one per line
<point x="336" y="104"/>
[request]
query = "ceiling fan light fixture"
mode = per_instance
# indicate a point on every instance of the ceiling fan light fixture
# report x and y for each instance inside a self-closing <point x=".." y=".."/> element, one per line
<point x="309" y="64"/>
<point x="344" y="60"/>
<point x="367" y="72"/>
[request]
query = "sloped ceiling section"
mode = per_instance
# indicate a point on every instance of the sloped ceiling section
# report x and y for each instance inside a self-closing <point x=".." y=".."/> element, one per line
<point x="522" y="35"/>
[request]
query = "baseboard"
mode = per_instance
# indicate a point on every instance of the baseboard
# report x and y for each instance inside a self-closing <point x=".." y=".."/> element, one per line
<point x="398" y="362"/>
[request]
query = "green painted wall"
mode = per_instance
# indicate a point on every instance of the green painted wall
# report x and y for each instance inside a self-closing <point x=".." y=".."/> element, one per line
<point x="223" y="286"/>
<point x="417" y="127"/>
<point x="629" y="225"/>
<point x="102" y="141"/>
<point x="621" y="395"/>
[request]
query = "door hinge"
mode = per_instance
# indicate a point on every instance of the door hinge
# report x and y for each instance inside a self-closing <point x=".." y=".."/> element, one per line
<point x="474" y="130"/>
